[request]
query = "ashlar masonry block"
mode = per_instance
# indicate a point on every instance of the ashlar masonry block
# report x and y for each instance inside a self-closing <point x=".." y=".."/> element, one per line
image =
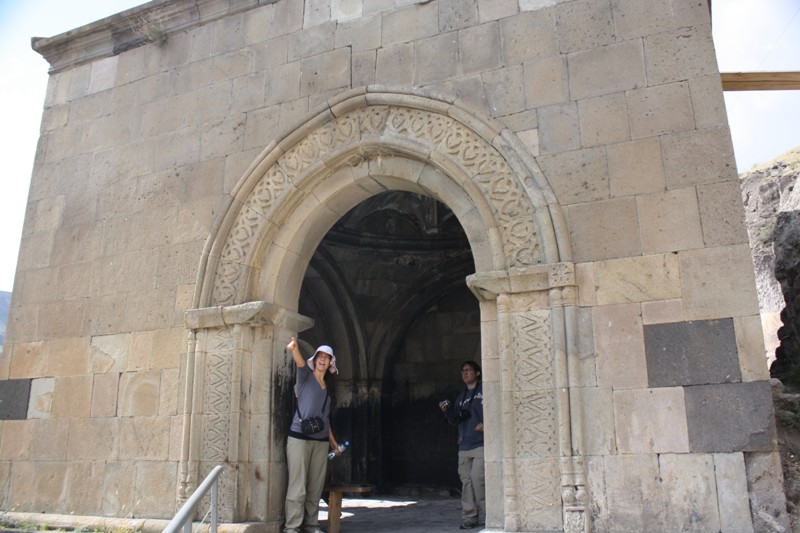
<point x="531" y="35"/>
<point x="579" y="176"/>
<point x="750" y="343"/>
<point x="651" y="421"/>
<point x="559" y="129"/>
<point x="610" y="69"/>
<point x="434" y="58"/>
<point x="690" y="491"/>
<point x="584" y="25"/>
<point x="679" y="54"/>
<point x="734" y="505"/>
<point x="712" y="287"/>
<point x="83" y="497"/>
<point x="730" y="417"/>
<point x="633" y="499"/>
<point x="479" y="48"/>
<point x="72" y="397"/>
<point x="604" y="230"/>
<point x="661" y="109"/>
<point x="691" y="353"/>
<point x="722" y="213"/>
<point x="696" y="157"/>
<point x="669" y="221"/>
<point x="633" y="18"/>
<point x="640" y="279"/>
<point x="505" y="90"/>
<point x="603" y="120"/>
<point x="410" y="24"/>
<point x="619" y="346"/>
<point x="546" y="82"/>
<point x="635" y="167"/>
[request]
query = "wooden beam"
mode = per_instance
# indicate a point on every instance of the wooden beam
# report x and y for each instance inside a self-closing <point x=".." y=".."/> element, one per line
<point x="761" y="81"/>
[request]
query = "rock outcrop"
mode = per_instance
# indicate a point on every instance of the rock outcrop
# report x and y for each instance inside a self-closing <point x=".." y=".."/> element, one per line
<point x="772" y="208"/>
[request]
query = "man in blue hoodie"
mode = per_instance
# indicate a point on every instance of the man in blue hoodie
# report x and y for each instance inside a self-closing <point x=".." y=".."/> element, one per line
<point x="467" y="413"/>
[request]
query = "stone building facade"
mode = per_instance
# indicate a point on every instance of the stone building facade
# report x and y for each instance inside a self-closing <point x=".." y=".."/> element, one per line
<point x="547" y="186"/>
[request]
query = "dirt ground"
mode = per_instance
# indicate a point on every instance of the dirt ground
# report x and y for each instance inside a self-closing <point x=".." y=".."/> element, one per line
<point x="787" y="418"/>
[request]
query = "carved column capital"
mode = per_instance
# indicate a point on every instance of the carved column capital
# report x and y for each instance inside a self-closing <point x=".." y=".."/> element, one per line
<point x="486" y="286"/>
<point x="258" y="313"/>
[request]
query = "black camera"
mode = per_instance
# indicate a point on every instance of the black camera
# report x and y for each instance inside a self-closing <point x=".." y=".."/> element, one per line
<point x="462" y="415"/>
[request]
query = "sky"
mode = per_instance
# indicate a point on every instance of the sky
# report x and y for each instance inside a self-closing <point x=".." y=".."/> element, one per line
<point x="749" y="35"/>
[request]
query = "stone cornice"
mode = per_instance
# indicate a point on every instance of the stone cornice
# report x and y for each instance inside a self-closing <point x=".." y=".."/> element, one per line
<point x="126" y="30"/>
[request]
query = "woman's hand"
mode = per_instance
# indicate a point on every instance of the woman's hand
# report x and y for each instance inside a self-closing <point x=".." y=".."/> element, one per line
<point x="479" y="427"/>
<point x="292" y="344"/>
<point x="296" y="355"/>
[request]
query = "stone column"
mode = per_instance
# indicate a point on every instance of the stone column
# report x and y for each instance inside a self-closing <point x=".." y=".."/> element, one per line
<point x="527" y="374"/>
<point x="228" y="406"/>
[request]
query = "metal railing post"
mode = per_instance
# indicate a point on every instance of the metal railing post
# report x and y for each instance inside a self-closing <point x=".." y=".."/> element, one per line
<point x="183" y="518"/>
<point x="214" y="493"/>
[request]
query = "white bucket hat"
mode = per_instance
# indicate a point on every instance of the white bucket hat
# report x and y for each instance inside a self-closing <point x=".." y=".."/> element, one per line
<point x="328" y="350"/>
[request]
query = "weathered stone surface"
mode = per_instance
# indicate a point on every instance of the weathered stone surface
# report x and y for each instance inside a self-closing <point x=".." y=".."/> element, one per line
<point x="651" y="278"/>
<point x="662" y="312"/>
<point x="603" y="120"/>
<point x="604" y="230"/>
<point x="691" y="353"/>
<point x="719" y="293"/>
<point x="14" y="399"/>
<point x="660" y="216"/>
<point x="545" y="82"/>
<point x="659" y="110"/>
<point x="651" y="421"/>
<point x="731" y="417"/>
<point x="767" y="501"/>
<point x="606" y="70"/>
<point x="697" y="157"/>
<point x="597" y="404"/>
<point x="72" y="397"/>
<point x="619" y="345"/>
<point x="689" y="488"/>
<point x="674" y="55"/>
<point x="41" y="398"/>
<point x="553" y="148"/>
<point x="750" y="343"/>
<point x="731" y="480"/>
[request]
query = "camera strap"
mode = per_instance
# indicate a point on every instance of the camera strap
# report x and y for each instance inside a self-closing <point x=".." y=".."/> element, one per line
<point x="467" y="403"/>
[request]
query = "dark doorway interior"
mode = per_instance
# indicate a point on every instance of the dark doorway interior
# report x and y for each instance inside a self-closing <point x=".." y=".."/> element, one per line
<point x="386" y="288"/>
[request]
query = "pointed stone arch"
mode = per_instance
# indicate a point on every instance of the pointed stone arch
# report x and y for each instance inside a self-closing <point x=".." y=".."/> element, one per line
<point x="361" y="143"/>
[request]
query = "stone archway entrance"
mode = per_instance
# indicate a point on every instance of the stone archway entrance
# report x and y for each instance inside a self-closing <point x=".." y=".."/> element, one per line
<point x="386" y="287"/>
<point x="248" y="289"/>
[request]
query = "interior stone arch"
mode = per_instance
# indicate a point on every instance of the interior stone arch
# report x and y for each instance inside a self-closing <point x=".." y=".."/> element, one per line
<point x="362" y="144"/>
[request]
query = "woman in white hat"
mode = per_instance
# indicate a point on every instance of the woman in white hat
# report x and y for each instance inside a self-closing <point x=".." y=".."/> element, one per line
<point x="310" y="438"/>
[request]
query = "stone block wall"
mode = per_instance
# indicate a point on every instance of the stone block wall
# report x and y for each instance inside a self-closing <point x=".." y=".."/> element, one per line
<point x="618" y="103"/>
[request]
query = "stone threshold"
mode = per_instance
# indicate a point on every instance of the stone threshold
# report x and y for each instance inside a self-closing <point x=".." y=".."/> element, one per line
<point x="23" y="521"/>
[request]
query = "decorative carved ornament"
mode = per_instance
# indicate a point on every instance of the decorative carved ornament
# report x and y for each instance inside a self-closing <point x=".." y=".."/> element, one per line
<point x="360" y="135"/>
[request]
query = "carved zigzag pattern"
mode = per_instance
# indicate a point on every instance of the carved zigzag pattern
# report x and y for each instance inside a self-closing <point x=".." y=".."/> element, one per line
<point x="535" y="493"/>
<point x="533" y="367"/>
<point x="536" y="424"/>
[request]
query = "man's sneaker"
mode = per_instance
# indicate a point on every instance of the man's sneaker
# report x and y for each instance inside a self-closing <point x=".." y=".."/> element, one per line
<point x="468" y="525"/>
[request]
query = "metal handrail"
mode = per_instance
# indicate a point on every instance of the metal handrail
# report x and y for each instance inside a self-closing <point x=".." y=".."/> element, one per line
<point x="184" y="517"/>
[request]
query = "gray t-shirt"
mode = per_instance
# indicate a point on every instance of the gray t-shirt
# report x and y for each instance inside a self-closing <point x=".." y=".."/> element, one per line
<point x="310" y="400"/>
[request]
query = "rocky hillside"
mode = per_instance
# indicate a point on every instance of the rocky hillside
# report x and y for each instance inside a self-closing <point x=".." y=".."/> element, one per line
<point x="772" y="207"/>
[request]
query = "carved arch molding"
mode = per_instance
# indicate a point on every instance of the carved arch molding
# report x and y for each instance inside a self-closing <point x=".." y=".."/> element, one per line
<point x="363" y="142"/>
